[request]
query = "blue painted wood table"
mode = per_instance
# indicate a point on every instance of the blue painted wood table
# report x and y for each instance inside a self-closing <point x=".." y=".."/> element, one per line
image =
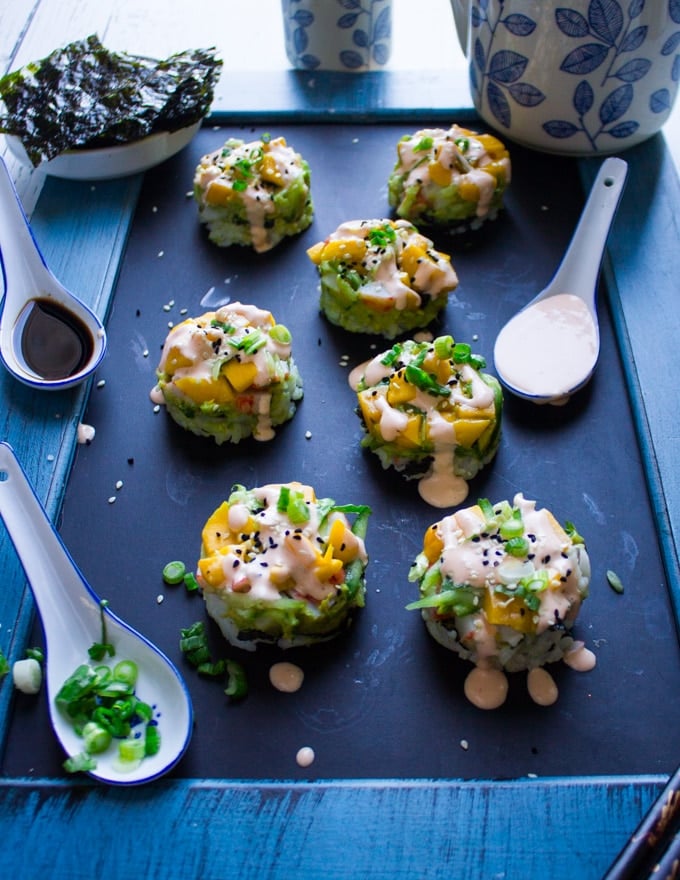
<point x="519" y="828"/>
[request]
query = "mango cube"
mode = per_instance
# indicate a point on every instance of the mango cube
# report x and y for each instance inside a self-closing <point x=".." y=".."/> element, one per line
<point x="399" y="390"/>
<point x="351" y="250"/>
<point x="240" y="374"/>
<point x="410" y="436"/>
<point x="411" y="256"/>
<point x="469" y="430"/>
<point x="432" y="544"/>
<point x="439" y="174"/>
<point x="203" y="390"/>
<point x="343" y="541"/>
<point x="269" y="170"/>
<point x="219" y="192"/>
<point x="211" y="569"/>
<point x="502" y="610"/>
<point x="175" y="360"/>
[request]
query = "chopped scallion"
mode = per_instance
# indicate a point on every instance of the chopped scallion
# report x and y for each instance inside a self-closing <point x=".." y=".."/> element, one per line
<point x="280" y="333"/>
<point x="190" y="582"/>
<point x="237" y="683"/>
<point x="614" y="581"/>
<point x="443" y="346"/>
<point x="152" y="740"/>
<point x="96" y="738"/>
<point x="423" y="380"/>
<point x="297" y="509"/>
<point x="284" y="498"/>
<point x="425" y="143"/>
<point x="131" y="749"/>
<point x="173" y="572"/>
<point x="126" y="671"/>
<point x="517" y="546"/>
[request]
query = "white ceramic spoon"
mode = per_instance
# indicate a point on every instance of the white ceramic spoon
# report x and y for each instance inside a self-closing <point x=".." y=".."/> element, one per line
<point x="71" y="617"/>
<point x="28" y="281"/>
<point x="549" y="349"/>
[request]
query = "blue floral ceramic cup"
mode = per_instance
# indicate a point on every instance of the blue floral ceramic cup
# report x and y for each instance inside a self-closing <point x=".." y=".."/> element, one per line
<point x="349" y="35"/>
<point x="577" y="77"/>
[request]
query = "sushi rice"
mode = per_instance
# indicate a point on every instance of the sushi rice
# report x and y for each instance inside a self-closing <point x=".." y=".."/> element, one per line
<point x="229" y="374"/>
<point x="280" y="566"/>
<point x="253" y="194"/>
<point x="382" y="277"/>
<point x="451" y="177"/>
<point x="431" y="413"/>
<point x="501" y="585"/>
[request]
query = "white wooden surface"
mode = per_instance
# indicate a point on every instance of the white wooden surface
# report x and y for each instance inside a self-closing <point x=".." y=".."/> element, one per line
<point x="247" y="33"/>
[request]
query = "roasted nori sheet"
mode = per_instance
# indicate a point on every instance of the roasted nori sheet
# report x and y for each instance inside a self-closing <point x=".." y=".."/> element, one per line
<point x="86" y="96"/>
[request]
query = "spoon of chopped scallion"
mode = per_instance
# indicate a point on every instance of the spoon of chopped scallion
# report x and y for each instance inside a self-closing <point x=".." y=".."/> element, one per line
<point x="106" y="684"/>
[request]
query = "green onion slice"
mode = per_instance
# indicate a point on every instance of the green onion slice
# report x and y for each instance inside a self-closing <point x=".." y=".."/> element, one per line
<point x="173" y="572"/>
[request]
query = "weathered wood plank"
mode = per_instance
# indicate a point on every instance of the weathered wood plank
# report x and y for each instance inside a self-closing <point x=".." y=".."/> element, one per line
<point x="522" y="830"/>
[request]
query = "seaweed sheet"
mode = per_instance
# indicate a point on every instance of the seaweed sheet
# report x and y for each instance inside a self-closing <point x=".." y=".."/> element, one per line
<point x="86" y="96"/>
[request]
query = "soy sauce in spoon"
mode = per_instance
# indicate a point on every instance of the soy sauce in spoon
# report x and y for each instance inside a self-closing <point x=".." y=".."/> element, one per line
<point x="49" y="338"/>
<point x="53" y="341"/>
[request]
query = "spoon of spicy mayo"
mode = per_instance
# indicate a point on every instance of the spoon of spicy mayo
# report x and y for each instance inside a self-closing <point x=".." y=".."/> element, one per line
<point x="549" y="349"/>
<point x="48" y="337"/>
<point x="73" y="619"/>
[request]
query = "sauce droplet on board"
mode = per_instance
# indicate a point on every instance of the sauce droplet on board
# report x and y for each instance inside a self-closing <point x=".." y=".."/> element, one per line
<point x="486" y="688"/>
<point x="548" y="349"/>
<point x="541" y="686"/>
<point x="580" y="658"/>
<point x="305" y="756"/>
<point x="55" y="344"/>
<point x="286" y="677"/>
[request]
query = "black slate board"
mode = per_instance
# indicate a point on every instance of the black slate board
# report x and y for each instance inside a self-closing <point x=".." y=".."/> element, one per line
<point x="384" y="701"/>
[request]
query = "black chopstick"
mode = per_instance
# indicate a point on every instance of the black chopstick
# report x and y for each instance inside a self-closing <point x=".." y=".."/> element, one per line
<point x="648" y="844"/>
<point x="668" y="866"/>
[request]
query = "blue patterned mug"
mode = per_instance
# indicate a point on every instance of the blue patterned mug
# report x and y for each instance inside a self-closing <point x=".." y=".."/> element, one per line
<point x="349" y="35"/>
<point x="575" y="77"/>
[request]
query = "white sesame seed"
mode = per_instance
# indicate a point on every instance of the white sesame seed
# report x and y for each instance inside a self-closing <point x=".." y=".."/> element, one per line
<point x="161" y="253"/>
<point x="308" y="435"/>
<point x="145" y="353"/>
<point x="112" y="499"/>
<point x="50" y="457"/>
<point x="101" y="383"/>
<point x="157" y="408"/>
<point x="464" y="744"/>
<point x="119" y="484"/>
<point x="159" y="598"/>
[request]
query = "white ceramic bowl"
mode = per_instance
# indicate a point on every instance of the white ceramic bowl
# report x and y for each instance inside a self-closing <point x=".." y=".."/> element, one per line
<point x="109" y="162"/>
